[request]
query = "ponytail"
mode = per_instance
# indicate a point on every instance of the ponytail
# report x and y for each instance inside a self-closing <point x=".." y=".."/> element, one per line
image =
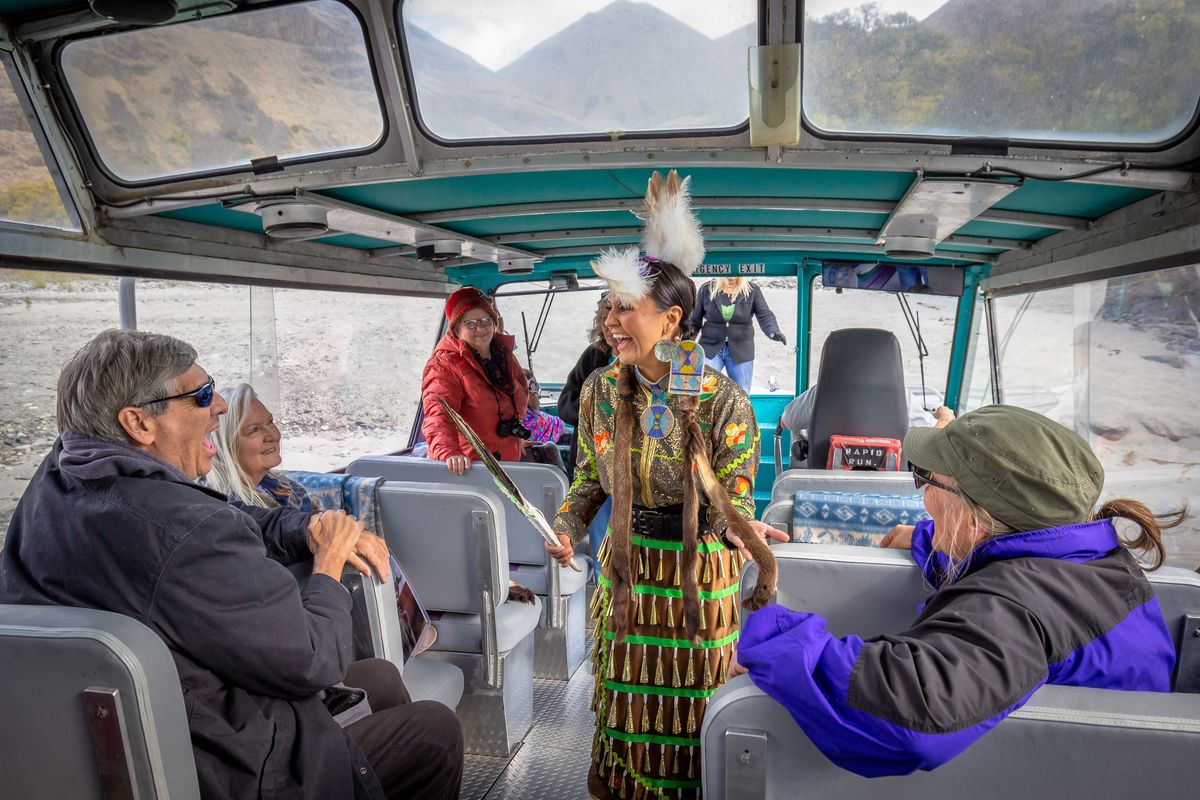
<point x="1151" y="525"/>
<point x="620" y="537"/>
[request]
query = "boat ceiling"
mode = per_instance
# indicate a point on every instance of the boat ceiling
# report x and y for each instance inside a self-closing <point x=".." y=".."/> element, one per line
<point x="560" y="202"/>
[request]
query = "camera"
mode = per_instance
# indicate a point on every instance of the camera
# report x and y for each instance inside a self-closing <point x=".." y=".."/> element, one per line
<point x="512" y="427"/>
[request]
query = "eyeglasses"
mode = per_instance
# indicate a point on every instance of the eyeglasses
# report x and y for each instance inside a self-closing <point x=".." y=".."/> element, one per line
<point x="923" y="477"/>
<point x="203" y="395"/>
<point x="472" y="324"/>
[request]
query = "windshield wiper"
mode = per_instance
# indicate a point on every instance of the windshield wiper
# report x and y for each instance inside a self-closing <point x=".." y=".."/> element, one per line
<point x="914" y="327"/>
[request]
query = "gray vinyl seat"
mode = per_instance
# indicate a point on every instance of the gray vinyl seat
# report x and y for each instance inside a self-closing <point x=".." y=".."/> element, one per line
<point x="91" y="708"/>
<point x="1066" y="741"/>
<point x="451" y="539"/>
<point x="560" y="641"/>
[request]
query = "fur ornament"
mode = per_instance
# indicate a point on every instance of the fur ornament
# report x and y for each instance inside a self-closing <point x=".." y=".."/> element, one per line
<point x="626" y="274"/>
<point x="673" y="232"/>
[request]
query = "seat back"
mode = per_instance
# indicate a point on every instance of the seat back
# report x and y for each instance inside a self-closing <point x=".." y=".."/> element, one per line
<point x="91" y="707"/>
<point x="1066" y="741"/>
<point x="544" y="486"/>
<point x="836" y="480"/>
<point x="452" y="541"/>
<point x="860" y="390"/>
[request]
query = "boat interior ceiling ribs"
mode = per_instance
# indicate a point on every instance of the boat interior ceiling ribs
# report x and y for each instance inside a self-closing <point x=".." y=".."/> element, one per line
<point x="379" y="146"/>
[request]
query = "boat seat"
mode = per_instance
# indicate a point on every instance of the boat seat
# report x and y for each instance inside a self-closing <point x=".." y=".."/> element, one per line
<point x="452" y="541"/>
<point x="1066" y="741"/>
<point x="844" y="506"/>
<point x="91" y="708"/>
<point x="560" y="642"/>
<point x="426" y="678"/>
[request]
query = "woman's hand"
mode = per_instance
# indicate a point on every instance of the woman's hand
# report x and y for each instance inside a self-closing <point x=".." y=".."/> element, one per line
<point x="564" y="552"/>
<point x="942" y="416"/>
<point x="899" y="537"/>
<point x="458" y="464"/>
<point x="735" y="667"/>
<point x="762" y="530"/>
<point x="332" y="537"/>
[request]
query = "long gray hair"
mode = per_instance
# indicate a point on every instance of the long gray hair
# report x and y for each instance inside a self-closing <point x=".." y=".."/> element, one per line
<point x="227" y="474"/>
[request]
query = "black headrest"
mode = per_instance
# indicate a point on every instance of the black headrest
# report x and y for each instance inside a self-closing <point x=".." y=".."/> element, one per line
<point x="860" y="390"/>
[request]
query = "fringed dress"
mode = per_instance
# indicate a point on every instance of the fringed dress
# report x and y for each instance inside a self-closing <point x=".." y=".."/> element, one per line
<point x="653" y="684"/>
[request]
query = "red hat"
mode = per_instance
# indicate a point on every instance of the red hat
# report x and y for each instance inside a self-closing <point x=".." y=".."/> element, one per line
<point x="464" y="300"/>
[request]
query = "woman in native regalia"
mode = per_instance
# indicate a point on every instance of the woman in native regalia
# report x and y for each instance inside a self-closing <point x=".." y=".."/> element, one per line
<point x="676" y="445"/>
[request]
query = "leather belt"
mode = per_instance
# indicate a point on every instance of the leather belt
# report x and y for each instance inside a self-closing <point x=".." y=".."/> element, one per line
<point x="665" y="522"/>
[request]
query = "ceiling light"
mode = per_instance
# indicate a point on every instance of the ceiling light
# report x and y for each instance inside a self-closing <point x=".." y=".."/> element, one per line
<point x="292" y="220"/>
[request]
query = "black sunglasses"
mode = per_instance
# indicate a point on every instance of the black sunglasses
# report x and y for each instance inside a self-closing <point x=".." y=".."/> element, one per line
<point x="923" y="477"/>
<point x="203" y="395"/>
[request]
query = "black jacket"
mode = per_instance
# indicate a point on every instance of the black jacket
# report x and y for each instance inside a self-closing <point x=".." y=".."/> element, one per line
<point x="111" y="527"/>
<point x="592" y="359"/>
<point x="739" y="331"/>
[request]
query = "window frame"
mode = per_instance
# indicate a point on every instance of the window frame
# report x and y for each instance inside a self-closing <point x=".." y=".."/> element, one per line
<point x="419" y="123"/>
<point x="85" y="133"/>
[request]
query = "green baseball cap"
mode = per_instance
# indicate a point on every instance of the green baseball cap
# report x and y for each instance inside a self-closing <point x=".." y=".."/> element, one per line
<point x="1027" y="471"/>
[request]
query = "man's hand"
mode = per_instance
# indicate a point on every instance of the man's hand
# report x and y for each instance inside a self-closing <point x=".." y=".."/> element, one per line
<point x="564" y="552"/>
<point x="899" y="537"/>
<point x="371" y="554"/>
<point x="762" y="530"/>
<point x="333" y="537"/>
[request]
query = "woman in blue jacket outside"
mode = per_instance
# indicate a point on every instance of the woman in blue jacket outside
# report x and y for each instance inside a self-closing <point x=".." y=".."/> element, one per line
<point x="1032" y="587"/>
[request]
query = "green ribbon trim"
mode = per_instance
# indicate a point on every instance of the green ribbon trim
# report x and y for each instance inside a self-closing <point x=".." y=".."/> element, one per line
<point x="658" y="544"/>
<point x="659" y="690"/>
<point x="606" y="407"/>
<point x="653" y="738"/>
<point x="680" y="643"/>
<point x="661" y="591"/>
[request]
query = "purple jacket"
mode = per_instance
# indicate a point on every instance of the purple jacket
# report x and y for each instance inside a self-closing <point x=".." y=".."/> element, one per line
<point x="1064" y="605"/>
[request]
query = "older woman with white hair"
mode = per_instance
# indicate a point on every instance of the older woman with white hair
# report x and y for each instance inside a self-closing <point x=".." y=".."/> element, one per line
<point x="248" y="449"/>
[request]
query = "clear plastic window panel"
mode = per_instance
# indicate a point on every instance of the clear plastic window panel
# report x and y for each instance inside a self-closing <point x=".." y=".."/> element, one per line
<point x="1119" y="362"/>
<point x="566" y="328"/>
<point x="289" y="81"/>
<point x="1097" y="71"/>
<point x="45" y="317"/>
<point x="834" y="309"/>
<point x="27" y="192"/>
<point x="484" y="69"/>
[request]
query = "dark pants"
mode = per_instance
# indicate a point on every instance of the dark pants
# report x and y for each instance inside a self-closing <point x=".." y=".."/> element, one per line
<point x="416" y="749"/>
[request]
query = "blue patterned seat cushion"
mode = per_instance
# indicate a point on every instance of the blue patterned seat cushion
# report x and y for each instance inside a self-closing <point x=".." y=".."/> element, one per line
<point x="350" y="493"/>
<point x="851" y="517"/>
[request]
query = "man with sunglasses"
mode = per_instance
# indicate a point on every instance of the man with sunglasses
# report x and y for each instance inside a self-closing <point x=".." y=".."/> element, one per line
<point x="114" y="520"/>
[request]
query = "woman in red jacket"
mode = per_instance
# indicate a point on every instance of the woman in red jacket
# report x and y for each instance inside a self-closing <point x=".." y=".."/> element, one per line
<point x="474" y="370"/>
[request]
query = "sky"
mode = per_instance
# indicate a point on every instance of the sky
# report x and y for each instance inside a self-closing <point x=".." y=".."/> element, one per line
<point x="497" y="32"/>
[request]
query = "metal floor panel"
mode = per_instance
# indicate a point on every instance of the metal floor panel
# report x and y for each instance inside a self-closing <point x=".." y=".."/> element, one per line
<point x="552" y="762"/>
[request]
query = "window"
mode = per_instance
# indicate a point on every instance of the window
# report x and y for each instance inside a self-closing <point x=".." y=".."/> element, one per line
<point x="290" y="81"/>
<point x="27" y="192"/>
<point x="567" y="328"/>
<point x="44" y="319"/>
<point x="1118" y="361"/>
<point x="834" y="309"/>
<point x="486" y="69"/>
<point x="1101" y="71"/>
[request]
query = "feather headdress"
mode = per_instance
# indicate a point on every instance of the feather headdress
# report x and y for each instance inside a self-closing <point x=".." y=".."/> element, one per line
<point x="672" y="234"/>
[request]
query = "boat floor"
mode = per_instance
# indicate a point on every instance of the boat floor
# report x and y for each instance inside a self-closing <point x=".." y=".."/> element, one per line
<point x="553" y="759"/>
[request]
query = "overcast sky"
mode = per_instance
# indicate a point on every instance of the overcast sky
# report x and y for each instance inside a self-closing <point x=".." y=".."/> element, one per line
<point x="496" y="32"/>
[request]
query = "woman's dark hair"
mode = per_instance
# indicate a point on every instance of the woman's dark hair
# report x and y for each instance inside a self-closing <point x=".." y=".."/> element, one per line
<point x="596" y="336"/>
<point x="670" y="287"/>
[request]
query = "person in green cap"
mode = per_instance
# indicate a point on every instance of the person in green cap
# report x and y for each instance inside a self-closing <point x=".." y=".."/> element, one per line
<point x="1033" y="585"/>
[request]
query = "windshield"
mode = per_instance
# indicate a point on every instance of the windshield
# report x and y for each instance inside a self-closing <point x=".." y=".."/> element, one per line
<point x="1095" y="71"/>
<point x="485" y="69"/>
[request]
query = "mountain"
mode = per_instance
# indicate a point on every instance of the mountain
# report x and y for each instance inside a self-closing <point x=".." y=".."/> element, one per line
<point x="630" y="66"/>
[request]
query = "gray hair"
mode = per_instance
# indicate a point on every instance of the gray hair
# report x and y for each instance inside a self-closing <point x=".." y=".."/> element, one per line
<point x="114" y="370"/>
<point x="227" y="475"/>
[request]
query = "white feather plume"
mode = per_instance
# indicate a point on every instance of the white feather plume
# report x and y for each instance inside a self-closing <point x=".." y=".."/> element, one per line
<point x="673" y="232"/>
<point x="625" y="273"/>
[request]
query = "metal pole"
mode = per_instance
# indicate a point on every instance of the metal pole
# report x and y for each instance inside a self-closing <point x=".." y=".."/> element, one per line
<point x="127" y="299"/>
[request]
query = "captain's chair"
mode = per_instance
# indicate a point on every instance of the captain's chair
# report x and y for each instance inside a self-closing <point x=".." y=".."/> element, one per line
<point x="859" y="391"/>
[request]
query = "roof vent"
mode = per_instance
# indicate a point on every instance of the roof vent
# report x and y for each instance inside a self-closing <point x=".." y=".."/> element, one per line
<point x="908" y="246"/>
<point x="294" y="220"/>
<point x="136" y="12"/>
